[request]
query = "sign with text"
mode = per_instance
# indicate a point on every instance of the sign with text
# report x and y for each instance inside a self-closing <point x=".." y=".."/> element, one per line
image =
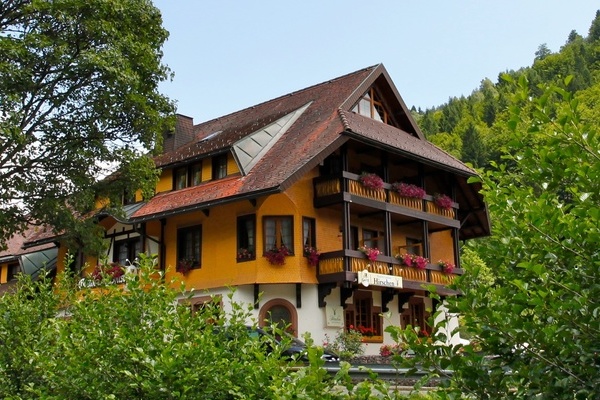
<point x="367" y="278"/>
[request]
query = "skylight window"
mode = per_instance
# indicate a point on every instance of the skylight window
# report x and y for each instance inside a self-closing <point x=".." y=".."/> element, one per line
<point x="210" y="136"/>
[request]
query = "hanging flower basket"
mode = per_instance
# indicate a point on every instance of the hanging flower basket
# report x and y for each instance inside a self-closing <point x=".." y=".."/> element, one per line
<point x="371" y="181"/>
<point x="443" y="201"/>
<point x="408" y="190"/>
<point x="277" y="256"/>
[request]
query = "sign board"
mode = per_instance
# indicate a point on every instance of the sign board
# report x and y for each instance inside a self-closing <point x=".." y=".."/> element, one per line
<point x="367" y="278"/>
<point x="335" y="316"/>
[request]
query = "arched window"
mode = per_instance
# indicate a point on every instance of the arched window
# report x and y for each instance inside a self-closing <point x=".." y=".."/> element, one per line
<point x="280" y="312"/>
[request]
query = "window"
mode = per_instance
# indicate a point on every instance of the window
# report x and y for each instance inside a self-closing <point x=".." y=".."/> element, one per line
<point x="280" y="312"/>
<point x="13" y="271"/>
<point x="209" y="307"/>
<point x="246" y="237"/>
<point x="180" y="178"/>
<point x="308" y="233"/>
<point x="415" y="314"/>
<point x="189" y="175"/>
<point x="278" y="231"/>
<point x="374" y="239"/>
<point x="371" y="106"/>
<point x="127" y="250"/>
<point x="365" y="317"/>
<point x="219" y="166"/>
<point x="128" y="198"/>
<point x="414" y="246"/>
<point x="196" y="174"/>
<point x="189" y="244"/>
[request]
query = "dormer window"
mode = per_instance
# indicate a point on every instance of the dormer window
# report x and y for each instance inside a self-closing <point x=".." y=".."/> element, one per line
<point x="371" y="106"/>
<point x="219" y="166"/>
<point x="189" y="175"/>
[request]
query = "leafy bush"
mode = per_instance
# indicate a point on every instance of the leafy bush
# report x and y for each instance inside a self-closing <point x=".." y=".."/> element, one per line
<point x="347" y="343"/>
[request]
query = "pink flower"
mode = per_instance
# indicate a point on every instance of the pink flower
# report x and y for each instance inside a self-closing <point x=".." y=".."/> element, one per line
<point x="443" y="201"/>
<point x="421" y="262"/>
<point x="408" y="190"/>
<point x="407" y="259"/>
<point x="371" y="181"/>
<point x="446" y="266"/>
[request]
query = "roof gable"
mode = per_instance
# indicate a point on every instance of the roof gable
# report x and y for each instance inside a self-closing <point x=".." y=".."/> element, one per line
<point x="389" y="95"/>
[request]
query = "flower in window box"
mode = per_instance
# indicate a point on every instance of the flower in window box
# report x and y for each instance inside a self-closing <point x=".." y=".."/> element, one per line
<point x="366" y="331"/>
<point x="312" y="255"/>
<point x="276" y="256"/>
<point x="371" y="253"/>
<point x="408" y="190"/>
<point x="244" y="254"/>
<point x="412" y="260"/>
<point x="371" y="181"/>
<point x="443" y="201"/>
<point x="113" y="271"/>
<point x="185" y="265"/>
<point x="446" y="266"/>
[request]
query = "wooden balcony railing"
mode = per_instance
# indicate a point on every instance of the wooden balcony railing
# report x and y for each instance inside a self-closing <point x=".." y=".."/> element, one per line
<point x="331" y="186"/>
<point x="333" y="263"/>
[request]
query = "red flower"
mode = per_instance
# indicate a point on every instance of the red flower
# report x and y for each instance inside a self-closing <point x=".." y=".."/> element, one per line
<point x="277" y="256"/>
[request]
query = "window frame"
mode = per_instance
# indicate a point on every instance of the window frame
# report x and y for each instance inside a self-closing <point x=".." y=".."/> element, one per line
<point x="309" y="234"/>
<point x="219" y="166"/>
<point x="182" y="243"/>
<point x="13" y="269"/>
<point x="371" y="106"/>
<point x="134" y="247"/>
<point x="278" y="242"/>
<point x="362" y="313"/>
<point x="376" y="239"/>
<point x="244" y="239"/>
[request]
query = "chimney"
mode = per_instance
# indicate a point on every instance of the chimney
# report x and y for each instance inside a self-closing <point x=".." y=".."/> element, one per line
<point x="183" y="134"/>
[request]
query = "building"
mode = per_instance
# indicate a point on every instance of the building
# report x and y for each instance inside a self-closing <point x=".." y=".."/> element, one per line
<point x="297" y="202"/>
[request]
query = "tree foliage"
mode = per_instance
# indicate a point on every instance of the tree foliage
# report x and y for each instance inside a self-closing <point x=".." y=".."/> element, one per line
<point x="141" y="341"/>
<point x="78" y="93"/>
<point x="535" y="325"/>
<point x="487" y="105"/>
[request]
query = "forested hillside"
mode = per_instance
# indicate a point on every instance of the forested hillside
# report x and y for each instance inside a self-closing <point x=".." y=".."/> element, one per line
<point x="474" y="128"/>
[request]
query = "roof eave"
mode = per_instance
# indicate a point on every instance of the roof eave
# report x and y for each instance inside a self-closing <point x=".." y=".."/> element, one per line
<point x="206" y="205"/>
<point x="424" y="160"/>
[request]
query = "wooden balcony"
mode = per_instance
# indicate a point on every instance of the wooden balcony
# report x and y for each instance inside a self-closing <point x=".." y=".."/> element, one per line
<point x="330" y="191"/>
<point x="332" y="268"/>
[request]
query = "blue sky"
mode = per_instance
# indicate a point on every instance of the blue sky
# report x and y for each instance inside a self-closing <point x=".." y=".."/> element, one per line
<point x="228" y="55"/>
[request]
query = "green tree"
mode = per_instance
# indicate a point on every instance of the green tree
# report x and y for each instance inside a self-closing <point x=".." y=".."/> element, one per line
<point x="78" y="93"/>
<point x="536" y="327"/>
<point x="542" y="52"/>
<point x="473" y="149"/>
<point x="141" y="341"/>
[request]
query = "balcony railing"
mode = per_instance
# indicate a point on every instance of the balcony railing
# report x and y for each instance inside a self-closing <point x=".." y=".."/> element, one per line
<point x="332" y="188"/>
<point x="332" y="268"/>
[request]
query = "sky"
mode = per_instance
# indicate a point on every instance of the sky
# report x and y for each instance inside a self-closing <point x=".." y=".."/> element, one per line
<point x="227" y="55"/>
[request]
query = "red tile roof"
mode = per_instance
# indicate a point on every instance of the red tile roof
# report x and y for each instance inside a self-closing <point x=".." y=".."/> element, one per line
<point x="321" y="128"/>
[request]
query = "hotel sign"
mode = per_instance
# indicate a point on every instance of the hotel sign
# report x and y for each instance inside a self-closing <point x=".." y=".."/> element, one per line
<point x="367" y="278"/>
